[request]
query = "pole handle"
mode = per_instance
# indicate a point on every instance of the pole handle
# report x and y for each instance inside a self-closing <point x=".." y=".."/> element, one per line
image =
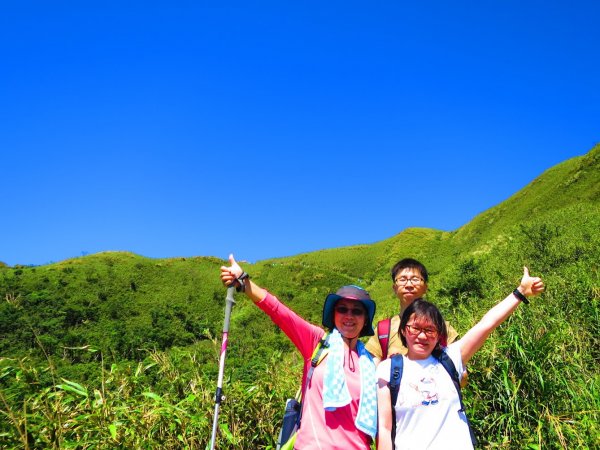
<point x="229" y="302"/>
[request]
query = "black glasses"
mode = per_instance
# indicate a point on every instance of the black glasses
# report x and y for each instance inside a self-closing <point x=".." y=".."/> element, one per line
<point x="415" y="331"/>
<point x="353" y="311"/>
<point x="403" y="280"/>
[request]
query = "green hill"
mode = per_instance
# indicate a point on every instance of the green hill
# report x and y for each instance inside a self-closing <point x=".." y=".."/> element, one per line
<point x="115" y="350"/>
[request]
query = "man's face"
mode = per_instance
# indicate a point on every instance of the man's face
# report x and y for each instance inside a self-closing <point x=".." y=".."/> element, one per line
<point x="409" y="285"/>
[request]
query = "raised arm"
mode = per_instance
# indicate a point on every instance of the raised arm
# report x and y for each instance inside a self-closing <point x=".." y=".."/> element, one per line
<point x="229" y="276"/>
<point x="302" y="333"/>
<point x="476" y="336"/>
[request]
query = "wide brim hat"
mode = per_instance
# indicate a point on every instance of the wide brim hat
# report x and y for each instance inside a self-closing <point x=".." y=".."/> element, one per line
<point x="355" y="293"/>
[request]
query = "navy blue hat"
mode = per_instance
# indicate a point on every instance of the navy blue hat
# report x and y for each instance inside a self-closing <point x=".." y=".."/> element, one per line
<point x="350" y="292"/>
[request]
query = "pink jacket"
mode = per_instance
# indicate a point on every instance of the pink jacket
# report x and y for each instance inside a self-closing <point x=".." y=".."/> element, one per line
<point x="320" y="429"/>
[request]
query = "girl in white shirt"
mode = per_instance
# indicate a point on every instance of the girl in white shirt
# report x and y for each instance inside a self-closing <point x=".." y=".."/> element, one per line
<point x="428" y="407"/>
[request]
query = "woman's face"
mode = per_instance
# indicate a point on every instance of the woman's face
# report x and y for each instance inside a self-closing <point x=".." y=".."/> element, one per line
<point x="421" y="337"/>
<point x="349" y="317"/>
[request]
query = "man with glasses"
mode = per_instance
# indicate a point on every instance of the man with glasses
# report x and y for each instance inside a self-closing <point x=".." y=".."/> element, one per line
<point x="409" y="278"/>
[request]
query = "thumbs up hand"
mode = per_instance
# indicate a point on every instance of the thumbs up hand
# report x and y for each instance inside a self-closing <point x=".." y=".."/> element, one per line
<point x="530" y="286"/>
<point x="230" y="274"/>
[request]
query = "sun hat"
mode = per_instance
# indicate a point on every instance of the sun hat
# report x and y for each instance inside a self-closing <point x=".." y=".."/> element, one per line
<point x="350" y="292"/>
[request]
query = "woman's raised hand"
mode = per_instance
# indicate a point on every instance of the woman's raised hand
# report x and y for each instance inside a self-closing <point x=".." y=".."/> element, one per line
<point x="231" y="273"/>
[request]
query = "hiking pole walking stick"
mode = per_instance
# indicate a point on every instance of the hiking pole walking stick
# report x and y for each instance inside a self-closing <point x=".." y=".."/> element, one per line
<point x="229" y="302"/>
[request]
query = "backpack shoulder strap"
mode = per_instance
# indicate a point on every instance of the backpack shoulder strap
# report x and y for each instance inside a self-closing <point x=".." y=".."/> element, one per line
<point x="318" y="353"/>
<point x="396" y="367"/>
<point x="383" y="334"/>
<point x="317" y="356"/>
<point x="447" y="363"/>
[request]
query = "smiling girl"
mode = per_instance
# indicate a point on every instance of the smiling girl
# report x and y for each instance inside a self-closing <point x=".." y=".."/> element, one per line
<point x="428" y="408"/>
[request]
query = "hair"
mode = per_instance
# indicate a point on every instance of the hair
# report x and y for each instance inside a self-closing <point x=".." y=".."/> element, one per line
<point x="409" y="263"/>
<point x="424" y="309"/>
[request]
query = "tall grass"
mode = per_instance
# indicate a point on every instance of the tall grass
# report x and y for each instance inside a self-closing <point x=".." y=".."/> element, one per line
<point x="157" y="404"/>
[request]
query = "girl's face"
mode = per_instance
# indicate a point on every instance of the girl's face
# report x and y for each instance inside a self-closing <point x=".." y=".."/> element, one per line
<point x="421" y="337"/>
<point x="349" y="317"/>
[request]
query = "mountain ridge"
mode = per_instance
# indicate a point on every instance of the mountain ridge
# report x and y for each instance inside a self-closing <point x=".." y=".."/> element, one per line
<point x="156" y="324"/>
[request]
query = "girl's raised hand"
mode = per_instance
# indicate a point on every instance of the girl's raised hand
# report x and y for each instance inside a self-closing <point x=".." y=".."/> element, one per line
<point x="530" y="285"/>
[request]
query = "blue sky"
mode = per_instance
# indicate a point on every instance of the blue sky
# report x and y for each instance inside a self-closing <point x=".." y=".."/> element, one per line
<point x="270" y="129"/>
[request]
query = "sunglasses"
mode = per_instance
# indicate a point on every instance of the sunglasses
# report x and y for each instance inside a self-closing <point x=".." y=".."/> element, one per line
<point x="353" y="311"/>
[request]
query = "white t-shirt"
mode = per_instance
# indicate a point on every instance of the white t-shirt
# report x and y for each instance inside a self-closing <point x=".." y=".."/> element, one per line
<point x="427" y="409"/>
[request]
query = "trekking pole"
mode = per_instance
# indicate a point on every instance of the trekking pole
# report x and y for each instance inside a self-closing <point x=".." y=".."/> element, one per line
<point x="229" y="302"/>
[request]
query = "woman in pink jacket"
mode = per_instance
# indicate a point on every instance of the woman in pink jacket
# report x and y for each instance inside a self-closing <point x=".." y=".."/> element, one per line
<point x="339" y="407"/>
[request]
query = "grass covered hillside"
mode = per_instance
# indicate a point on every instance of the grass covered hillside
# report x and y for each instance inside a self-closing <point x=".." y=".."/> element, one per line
<point x="115" y="350"/>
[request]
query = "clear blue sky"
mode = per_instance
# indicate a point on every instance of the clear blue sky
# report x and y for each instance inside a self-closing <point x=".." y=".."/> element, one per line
<point x="195" y="128"/>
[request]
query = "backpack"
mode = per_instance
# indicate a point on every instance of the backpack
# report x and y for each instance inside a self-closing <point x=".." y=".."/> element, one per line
<point x="396" y="367"/>
<point x="383" y="334"/>
<point x="293" y="406"/>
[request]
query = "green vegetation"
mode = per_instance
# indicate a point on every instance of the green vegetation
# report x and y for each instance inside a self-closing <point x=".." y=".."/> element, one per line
<point x="115" y="350"/>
